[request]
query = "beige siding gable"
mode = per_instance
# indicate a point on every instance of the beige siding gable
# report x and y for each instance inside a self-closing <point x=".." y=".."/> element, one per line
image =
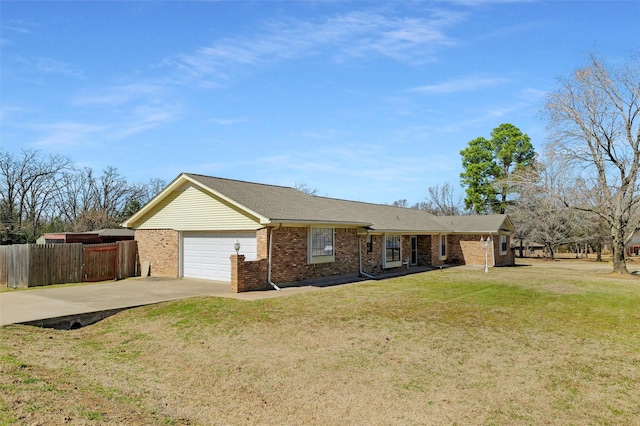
<point x="191" y="209"/>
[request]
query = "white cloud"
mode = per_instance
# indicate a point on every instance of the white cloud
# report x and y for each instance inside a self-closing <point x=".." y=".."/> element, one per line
<point x="133" y="108"/>
<point x="68" y="134"/>
<point x="466" y="84"/>
<point x="47" y="65"/>
<point x="119" y="95"/>
<point x="144" y="118"/>
<point x="353" y="35"/>
<point x="533" y="95"/>
<point x="229" y="121"/>
<point x="18" y="26"/>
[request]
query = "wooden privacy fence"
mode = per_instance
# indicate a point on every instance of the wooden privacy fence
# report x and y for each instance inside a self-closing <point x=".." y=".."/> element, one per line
<point x="30" y="265"/>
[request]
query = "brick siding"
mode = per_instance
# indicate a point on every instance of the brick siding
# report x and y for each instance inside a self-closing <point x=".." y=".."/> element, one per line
<point x="262" y="241"/>
<point x="424" y="250"/>
<point x="248" y="275"/>
<point x="466" y="249"/>
<point x="435" y="250"/>
<point x="290" y="261"/>
<point x="372" y="261"/>
<point x="507" y="259"/>
<point x="160" y="247"/>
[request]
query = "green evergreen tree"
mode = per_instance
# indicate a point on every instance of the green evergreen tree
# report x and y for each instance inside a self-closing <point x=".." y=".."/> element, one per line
<point x="488" y="163"/>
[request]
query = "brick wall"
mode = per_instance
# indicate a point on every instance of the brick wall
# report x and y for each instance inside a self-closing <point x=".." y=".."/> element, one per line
<point x="160" y="247"/>
<point x="372" y="261"/>
<point x="424" y="250"/>
<point x="289" y="257"/>
<point x="435" y="261"/>
<point x="506" y="259"/>
<point x="248" y="275"/>
<point x="262" y="242"/>
<point x="473" y="251"/>
<point x="466" y="249"/>
<point x="405" y="254"/>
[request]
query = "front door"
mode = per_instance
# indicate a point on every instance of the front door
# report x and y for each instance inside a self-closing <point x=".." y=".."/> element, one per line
<point x="414" y="251"/>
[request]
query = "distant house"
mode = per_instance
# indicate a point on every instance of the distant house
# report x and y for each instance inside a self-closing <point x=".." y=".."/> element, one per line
<point x="633" y="247"/>
<point x="283" y="236"/>
<point x="92" y="237"/>
<point x="529" y="248"/>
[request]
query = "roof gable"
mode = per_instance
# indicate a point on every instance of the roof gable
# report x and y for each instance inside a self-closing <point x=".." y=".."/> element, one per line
<point x="188" y="206"/>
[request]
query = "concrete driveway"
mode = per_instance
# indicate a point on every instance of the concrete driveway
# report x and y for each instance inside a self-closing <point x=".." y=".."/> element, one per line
<point x="73" y="304"/>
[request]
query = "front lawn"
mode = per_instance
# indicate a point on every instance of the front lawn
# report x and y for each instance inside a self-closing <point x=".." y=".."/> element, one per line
<point x="548" y="343"/>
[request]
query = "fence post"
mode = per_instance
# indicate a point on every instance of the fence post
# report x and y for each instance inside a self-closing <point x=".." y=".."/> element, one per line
<point x="3" y="265"/>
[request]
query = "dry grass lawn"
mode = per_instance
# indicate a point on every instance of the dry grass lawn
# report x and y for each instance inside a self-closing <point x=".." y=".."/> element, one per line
<point x="548" y="343"/>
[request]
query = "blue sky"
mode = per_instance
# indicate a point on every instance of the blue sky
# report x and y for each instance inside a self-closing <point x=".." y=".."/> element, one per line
<point x="362" y="100"/>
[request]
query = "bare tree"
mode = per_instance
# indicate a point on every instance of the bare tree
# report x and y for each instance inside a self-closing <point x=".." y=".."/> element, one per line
<point x="105" y="200"/>
<point x="27" y="187"/>
<point x="39" y="193"/>
<point x="142" y="193"/>
<point x="442" y="201"/>
<point x="152" y="188"/>
<point x="594" y="124"/>
<point x="303" y="187"/>
<point x="537" y="216"/>
<point x="73" y="195"/>
<point x="401" y="203"/>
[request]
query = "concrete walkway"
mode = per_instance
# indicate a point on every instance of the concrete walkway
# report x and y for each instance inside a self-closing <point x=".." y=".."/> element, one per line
<point x="42" y="303"/>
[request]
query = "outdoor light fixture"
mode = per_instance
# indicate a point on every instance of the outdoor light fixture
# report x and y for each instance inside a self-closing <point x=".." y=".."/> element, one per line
<point x="485" y="244"/>
<point x="237" y="246"/>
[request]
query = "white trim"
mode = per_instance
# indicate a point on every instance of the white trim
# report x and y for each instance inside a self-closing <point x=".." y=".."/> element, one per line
<point x="442" y="242"/>
<point x="413" y="238"/>
<point x="180" y="254"/>
<point x="493" y="250"/>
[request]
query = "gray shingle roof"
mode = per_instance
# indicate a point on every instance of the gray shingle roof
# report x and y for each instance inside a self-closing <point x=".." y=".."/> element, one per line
<point x="477" y="223"/>
<point x="285" y="204"/>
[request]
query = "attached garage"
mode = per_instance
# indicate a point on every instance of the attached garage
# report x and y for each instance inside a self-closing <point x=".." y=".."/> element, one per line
<point x="206" y="255"/>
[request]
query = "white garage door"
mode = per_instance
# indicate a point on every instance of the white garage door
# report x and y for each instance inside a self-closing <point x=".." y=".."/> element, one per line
<point x="206" y="255"/>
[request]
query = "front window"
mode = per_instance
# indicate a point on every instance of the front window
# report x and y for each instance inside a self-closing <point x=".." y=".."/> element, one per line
<point x="321" y="245"/>
<point x="392" y="251"/>
<point x="393" y="248"/>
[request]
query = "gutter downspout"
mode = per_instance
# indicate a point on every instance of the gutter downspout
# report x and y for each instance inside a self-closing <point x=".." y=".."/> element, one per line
<point x="269" y="263"/>
<point x="360" y="260"/>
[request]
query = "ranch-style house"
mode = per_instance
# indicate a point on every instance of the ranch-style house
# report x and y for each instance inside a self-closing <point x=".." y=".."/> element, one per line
<point x="258" y="236"/>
